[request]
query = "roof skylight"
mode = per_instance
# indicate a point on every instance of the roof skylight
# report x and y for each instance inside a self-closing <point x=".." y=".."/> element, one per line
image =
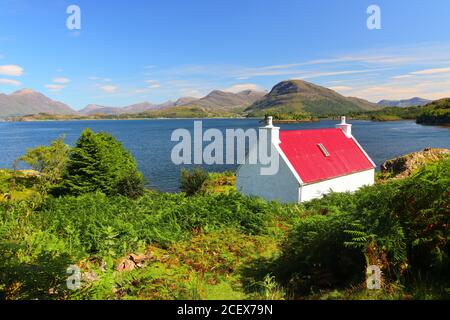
<point x="323" y="149"/>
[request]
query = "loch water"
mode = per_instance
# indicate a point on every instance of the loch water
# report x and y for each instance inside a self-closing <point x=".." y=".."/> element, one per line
<point x="150" y="140"/>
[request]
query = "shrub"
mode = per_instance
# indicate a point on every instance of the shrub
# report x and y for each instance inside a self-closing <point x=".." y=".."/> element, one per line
<point x="192" y="182"/>
<point x="131" y="185"/>
<point x="50" y="161"/>
<point x="99" y="162"/>
<point x="423" y="208"/>
<point x="403" y="226"/>
<point x="34" y="261"/>
<point x="314" y="255"/>
<point x="113" y="225"/>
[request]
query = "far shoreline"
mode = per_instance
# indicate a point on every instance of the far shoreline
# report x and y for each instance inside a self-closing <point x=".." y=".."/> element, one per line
<point x="445" y="125"/>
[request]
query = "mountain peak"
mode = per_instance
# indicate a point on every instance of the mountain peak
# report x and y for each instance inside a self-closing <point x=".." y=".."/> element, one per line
<point x="218" y="93"/>
<point x="27" y="101"/>
<point x="247" y="92"/>
<point x="24" y="91"/>
<point x="298" y="96"/>
<point x="416" y="101"/>
<point x="295" y="86"/>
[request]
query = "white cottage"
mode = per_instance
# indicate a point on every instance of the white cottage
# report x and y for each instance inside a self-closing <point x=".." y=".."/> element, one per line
<point x="311" y="164"/>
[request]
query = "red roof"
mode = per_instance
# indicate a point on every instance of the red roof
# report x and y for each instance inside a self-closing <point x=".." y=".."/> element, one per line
<point x="306" y="156"/>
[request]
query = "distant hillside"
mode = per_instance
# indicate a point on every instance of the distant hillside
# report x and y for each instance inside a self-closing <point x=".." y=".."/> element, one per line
<point x="145" y="106"/>
<point x="27" y="101"/>
<point x="187" y="111"/>
<point x="184" y="101"/>
<point x="227" y="100"/>
<point x="364" y="104"/>
<point x="215" y="101"/>
<point x="297" y="96"/>
<point x="404" y="103"/>
<point x="92" y="109"/>
<point x="436" y="112"/>
<point x="174" y="112"/>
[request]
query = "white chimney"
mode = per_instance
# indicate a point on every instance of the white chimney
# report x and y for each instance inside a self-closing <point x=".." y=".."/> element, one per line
<point x="273" y="132"/>
<point x="344" y="126"/>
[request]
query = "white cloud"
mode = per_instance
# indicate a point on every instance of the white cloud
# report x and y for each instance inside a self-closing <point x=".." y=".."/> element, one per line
<point x="55" y="87"/>
<point x="243" y="86"/>
<point x="153" y="84"/>
<point x="307" y="69"/>
<point x="194" y="93"/>
<point x="341" y="88"/>
<point x="373" y="73"/>
<point x="108" y="89"/>
<point x="365" y="61"/>
<point x="61" y="80"/>
<point x="402" y="76"/>
<point x="11" y="70"/>
<point x="432" y="71"/>
<point x="333" y="82"/>
<point x="300" y="67"/>
<point x="336" y="73"/>
<point x="10" y="82"/>
<point x="430" y="88"/>
<point x="95" y="78"/>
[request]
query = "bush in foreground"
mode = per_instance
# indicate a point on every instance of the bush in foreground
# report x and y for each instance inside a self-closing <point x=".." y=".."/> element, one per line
<point x="403" y="226"/>
<point x="99" y="162"/>
<point x="193" y="182"/>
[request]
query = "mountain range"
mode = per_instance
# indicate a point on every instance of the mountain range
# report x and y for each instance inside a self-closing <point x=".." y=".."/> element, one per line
<point x="404" y="103"/>
<point x="27" y="101"/>
<point x="291" y="96"/>
<point x="216" y="100"/>
<point x="298" y="96"/>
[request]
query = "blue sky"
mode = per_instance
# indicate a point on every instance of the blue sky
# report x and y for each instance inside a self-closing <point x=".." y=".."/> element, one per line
<point x="132" y="51"/>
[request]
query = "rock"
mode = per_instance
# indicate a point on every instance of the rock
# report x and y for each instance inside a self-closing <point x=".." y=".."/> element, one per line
<point x="406" y="165"/>
<point x="140" y="258"/>
<point x="90" y="276"/>
<point x="133" y="261"/>
<point x="125" y="265"/>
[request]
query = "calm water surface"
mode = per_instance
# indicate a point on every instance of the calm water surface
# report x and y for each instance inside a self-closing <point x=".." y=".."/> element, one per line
<point x="149" y="140"/>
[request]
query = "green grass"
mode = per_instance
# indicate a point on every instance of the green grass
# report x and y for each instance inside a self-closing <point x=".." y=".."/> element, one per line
<point x="221" y="182"/>
<point x="402" y="226"/>
<point x="223" y="245"/>
<point x="204" y="267"/>
<point x="18" y="186"/>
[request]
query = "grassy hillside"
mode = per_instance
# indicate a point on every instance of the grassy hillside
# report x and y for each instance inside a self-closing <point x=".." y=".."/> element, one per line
<point x="227" y="246"/>
<point x="297" y="96"/>
<point x="217" y="100"/>
<point x="389" y="114"/>
<point x="436" y="112"/>
<point x="292" y="100"/>
<point x="172" y="112"/>
<point x="220" y="244"/>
